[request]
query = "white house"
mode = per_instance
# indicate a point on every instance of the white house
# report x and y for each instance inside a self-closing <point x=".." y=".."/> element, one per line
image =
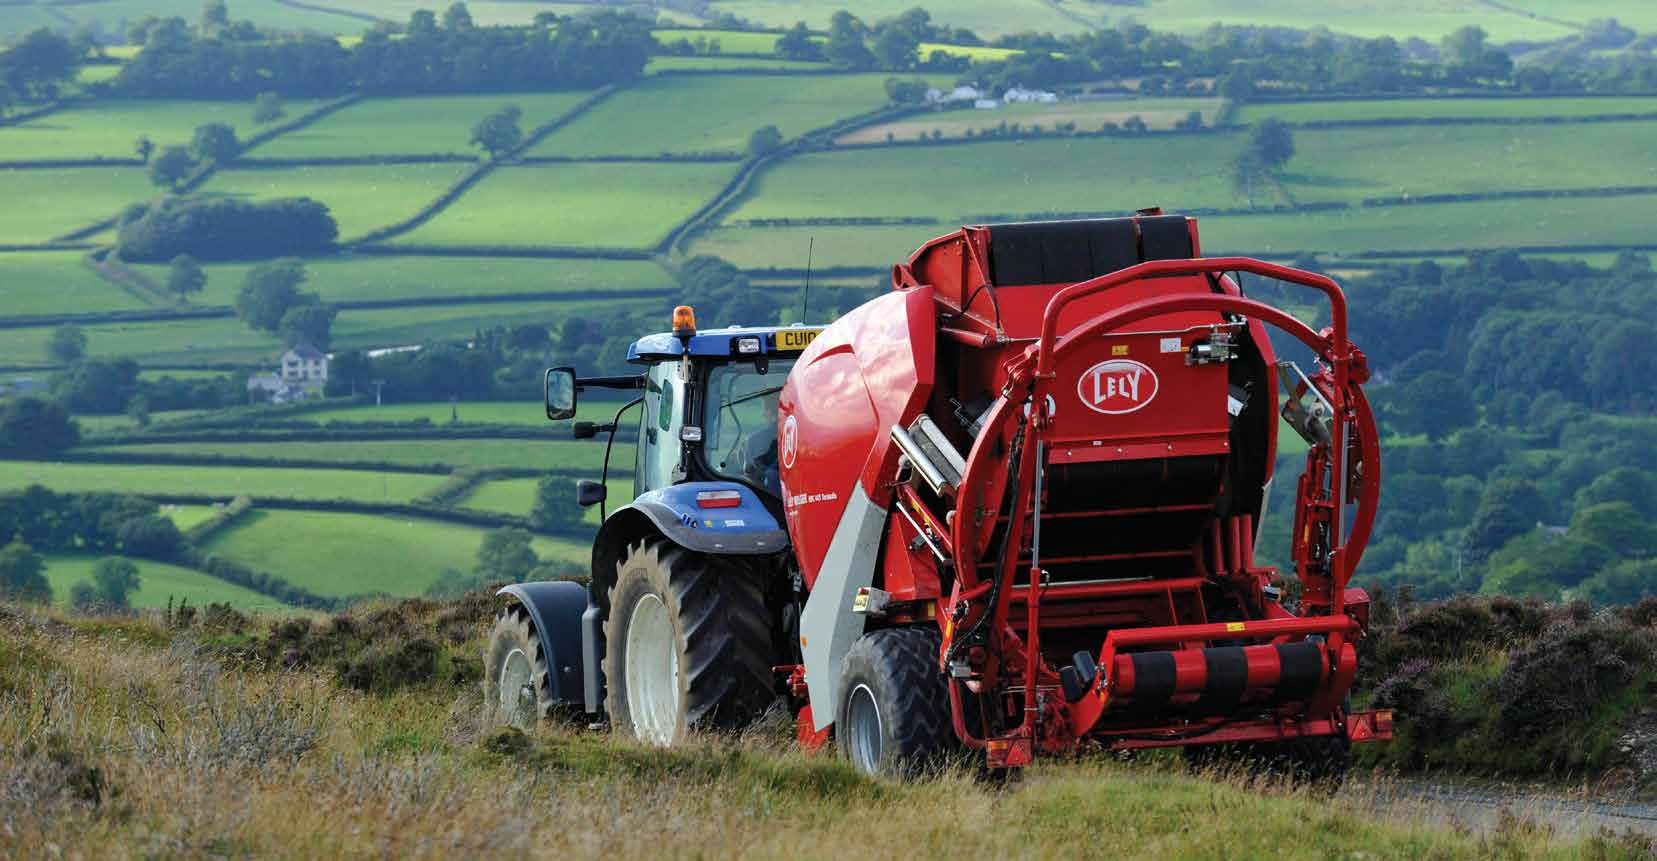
<point x="305" y="364"/>
<point x="986" y="104"/>
<point x="959" y="94"/>
<point x="1019" y="94"/>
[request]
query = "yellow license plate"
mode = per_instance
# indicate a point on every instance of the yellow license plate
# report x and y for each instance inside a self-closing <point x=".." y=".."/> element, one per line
<point x="791" y="340"/>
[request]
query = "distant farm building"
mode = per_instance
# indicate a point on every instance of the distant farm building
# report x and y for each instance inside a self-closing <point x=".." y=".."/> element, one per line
<point x="305" y="364"/>
<point x="1022" y="95"/>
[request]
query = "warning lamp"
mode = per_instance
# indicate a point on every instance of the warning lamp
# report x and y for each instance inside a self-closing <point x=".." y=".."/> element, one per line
<point x="684" y="323"/>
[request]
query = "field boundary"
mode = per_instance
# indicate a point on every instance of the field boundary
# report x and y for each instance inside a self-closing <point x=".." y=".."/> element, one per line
<point x="549" y="252"/>
<point x="43" y="110"/>
<point x="329" y="10"/>
<point x="220" y="519"/>
<point x="107" y="266"/>
<point x="463" y="516"/>
<point x="483" y="169"/>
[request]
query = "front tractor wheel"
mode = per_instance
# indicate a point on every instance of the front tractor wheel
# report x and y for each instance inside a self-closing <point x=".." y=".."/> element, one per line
<point x="688" y="645"/>
<point x="894" y="715"/>
<point x="515" y="686"/>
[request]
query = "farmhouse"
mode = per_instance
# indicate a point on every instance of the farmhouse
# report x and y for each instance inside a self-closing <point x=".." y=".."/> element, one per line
<point x="1020" y="94"/>
<point x="305" y="364"/>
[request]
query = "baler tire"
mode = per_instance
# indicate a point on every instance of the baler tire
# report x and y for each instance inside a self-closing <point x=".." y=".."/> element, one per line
<point x="721" y="635"/>
<point x="515" y="649"/>
<point x="897" y="670"/>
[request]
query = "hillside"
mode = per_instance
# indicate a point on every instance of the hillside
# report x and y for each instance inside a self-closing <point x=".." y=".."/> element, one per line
<point x="127" y="737"/>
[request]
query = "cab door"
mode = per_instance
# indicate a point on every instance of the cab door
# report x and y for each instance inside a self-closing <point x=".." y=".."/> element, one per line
<point x="659" y="462"/>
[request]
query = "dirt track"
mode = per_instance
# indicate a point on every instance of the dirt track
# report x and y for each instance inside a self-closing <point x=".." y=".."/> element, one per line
<point x="1479" y="805"/>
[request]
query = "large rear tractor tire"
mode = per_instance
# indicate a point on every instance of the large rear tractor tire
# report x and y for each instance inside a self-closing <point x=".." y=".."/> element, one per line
<point x="515" y="686"/>
<point x="893" y="716"/>
<point x="687" y="646"/>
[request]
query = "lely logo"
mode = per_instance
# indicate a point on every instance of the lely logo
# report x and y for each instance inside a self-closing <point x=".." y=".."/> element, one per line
<point x="1117" y="386"/>
<point x="790" y="442"/>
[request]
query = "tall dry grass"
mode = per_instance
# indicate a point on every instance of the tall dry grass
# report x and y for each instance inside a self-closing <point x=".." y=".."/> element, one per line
<point x="119" y="739"/>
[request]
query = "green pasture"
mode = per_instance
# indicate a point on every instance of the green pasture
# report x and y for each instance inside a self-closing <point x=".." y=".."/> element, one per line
<point x="484" y="13"/>
<point x="531" y="413"/>
<point x="1353" y="163"/>
<point x="361" y="197"/>
<point x="1484" y="224"/>
<point x="355" y="278"/>
<point x="1635" y="14"/>
<point x="173" y="342"/>
<point x="586" y="205"/>
<point x="517" y="495"/>
<point x="714" y="113"/>
<point x="730" y="41"/>
<point x="1158" y="114"/>
<point x="424" y="125"/>
<point x="109" y="128"/>
<point x="42" y="204"/>
<point x="158" y="584"/>
<point x="186" y="517"/>
<point x="105" y="424"/>
<point x="1428" y="19"/>
<point x="89" y="75"/>
<point x="1408" y="109"/>
<point x="976" y="53"/>
<point x="225" y="481"/>
<point x="266" y="13"/>
<point x="1119" y="174"/>
<point x="341" y="555"/>
<point x="56" y="282"/>
<point x="552" y="453"/>
<point x="671" y="63"/>
<point x="785" y="247"/>
<point x="987" y="18"/>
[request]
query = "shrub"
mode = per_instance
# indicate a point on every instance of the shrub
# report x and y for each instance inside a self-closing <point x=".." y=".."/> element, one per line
<point x="1567" y="673"/>
<point x="227" y="229"/>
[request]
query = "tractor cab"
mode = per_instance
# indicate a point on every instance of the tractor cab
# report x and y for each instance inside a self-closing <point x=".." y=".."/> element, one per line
<point x="708" y="407"/>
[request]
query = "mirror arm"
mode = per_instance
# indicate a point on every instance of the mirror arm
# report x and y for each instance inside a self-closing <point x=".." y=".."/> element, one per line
<point x="604" y="474"/>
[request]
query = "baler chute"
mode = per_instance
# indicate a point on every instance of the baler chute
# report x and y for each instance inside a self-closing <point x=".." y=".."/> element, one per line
<point x="1053" y="444"/>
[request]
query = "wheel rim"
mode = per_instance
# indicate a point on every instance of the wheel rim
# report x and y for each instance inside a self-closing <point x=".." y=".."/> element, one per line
<point x="863" y="730"/>
<point x="652" y="668"/>
<point x="517" y="691"/>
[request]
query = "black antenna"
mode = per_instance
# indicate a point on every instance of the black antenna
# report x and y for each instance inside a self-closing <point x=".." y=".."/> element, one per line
<point x="805" y="296"/>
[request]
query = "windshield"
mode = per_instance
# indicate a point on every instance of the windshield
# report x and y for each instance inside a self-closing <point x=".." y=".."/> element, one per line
<point x="740" y="422"/>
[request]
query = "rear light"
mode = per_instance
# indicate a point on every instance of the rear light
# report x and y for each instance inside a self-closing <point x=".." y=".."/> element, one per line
<point x="718" y="499"/>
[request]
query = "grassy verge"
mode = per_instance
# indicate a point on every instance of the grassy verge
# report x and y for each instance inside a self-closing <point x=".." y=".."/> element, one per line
<point x="122" y="737"/>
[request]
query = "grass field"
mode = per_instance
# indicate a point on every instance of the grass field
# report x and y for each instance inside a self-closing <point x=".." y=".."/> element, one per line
<point x="1058" y="174"/>
<point x="552" y="453"/>
<point x="55" y="282"/>
<point x="1350" y="164"/>
<point x="730" y="41"/>
<point x="101" y="424"/>
<point x="266" y="13"/>
<point x="108" y="129"/>
<point x="411" y="126"/>
<point x="158" y="583"/>
<point x="680" y="114"/>
<point x="669" y="63"/>
<point x="360" y="197"/>
<point x="1389" y="109"/>
<point x="187" y="516"/>
<point x="1158" y="114"/>
<point x="517" y="495"/>
<point x="484" y="12"/>
<point x="44" y="204"/>
<point x="1428" y="19"/>
<point x="351" y="554"/>
<point x="346" y="278"/>
<point x="480" y="412"/>
<point x="226" y="481"/>
<point x="785" y="247"/>
<point x="583" y="205"/>
<point x="987" y="18"/>
<point x="228" y="339"/>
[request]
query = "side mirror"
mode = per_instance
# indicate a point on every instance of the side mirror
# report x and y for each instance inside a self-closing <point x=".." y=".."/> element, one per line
<point x="560" y="394"/>
<point x="589" y="493"/>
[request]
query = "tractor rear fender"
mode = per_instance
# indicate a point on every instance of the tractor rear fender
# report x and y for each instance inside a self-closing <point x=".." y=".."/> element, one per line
<point x="717" y="523"/>
<point x="556" y="609"/>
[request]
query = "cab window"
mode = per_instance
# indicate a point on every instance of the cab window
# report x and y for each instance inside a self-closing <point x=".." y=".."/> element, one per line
<point x="740" y="423"/>
<point x="659" y="423"/>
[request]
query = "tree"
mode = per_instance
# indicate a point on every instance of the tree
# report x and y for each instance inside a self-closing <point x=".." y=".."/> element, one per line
<point x="498" y="133"/>
<point x="101" y="386"/>
<point x="310" y="323"/>
<point x="422" y="22"/>
<point x="1272" y="143"/>
<point x="215" y="19"/>
<point x="115" y="579"/>
<point x="67" y="344"/>
<point x="1435" y="403"/>
<point x="456" y="18"/>
<point x="555" y="505"/>
<point x="529" y="336"/>
<point x="142" y="148"/>
<point x="267" y="107"/>
<point x="215" y="142"/>
<point x="32" y="427"/>
<point x="845" y="47"/>
<point x="1246" y="175"/>
<point x="1616" y="526"/>
<point x="1626" y="582"/>
<point x="22" y="576"/>
<point x="138" y="409"/>
<point x="185" y="276"/>
<point x="83" y="597"/>
<point x="269" y="290"/>
<point x="505" y="555"/>
<point x="38" y="65"/>
<point x="1464" y="47"/>
<point x="170" y="168"/>
<point x="763" y="141"/>
<point x="896" y="49"/>
<point x="797" y="44"/>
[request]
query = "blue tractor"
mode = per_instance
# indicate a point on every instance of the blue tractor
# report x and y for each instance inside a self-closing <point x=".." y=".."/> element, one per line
<point x="691" y="602"/>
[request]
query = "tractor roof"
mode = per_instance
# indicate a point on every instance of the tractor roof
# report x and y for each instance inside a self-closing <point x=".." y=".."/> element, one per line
<point x="723" y="343"/>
